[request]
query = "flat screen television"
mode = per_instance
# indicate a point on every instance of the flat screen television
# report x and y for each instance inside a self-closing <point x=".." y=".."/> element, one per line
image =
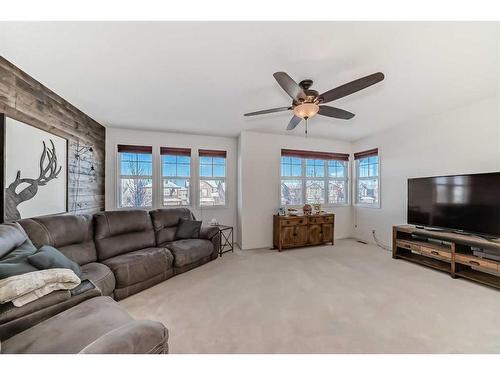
<point x="469" y="203"/>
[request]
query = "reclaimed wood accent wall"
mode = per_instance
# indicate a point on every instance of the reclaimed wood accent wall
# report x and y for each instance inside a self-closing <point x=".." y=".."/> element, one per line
<point x="25" y="99"/>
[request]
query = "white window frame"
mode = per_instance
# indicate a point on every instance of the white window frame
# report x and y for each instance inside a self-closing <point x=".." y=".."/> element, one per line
<point x="326" y="179"/>
<point x="357" y="178"/>
<point x="119" y="177"/>
<point x="162" y="178"/>
<point x="200" y="178"/>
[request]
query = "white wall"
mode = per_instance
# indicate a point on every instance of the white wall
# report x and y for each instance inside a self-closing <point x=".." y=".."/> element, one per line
<point x="259" y="182"/>
<point x="114" y="136"/>
<point x="464" y="140"/>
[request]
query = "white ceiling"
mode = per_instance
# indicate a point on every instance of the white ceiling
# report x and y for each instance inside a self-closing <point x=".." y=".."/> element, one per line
<point x="201" y="77"/>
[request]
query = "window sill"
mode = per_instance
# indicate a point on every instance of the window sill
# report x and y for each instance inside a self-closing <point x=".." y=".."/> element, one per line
<point x="177" y="206"/>
<point x="367" y="205"/>
<point x="219" y="206"/>
<point x="134" y="208"/>
<point x="322" y="206"/>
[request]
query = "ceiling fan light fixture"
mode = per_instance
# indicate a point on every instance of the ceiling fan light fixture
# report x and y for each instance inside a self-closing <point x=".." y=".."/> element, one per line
<point x="306" y="110"/>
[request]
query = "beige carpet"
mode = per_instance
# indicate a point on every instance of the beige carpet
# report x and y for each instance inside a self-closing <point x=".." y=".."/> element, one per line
<point x="349" y="298"/>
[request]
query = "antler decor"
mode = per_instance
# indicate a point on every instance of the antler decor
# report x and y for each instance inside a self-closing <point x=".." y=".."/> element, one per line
<point x="48" y="171"/>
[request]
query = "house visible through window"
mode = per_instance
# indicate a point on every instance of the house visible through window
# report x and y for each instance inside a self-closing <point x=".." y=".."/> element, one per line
<point x="136" y="176"/>
<point x="176" y="176"/>
<point x="313" y="177"/>
<point x="367" y="178"/>
<point x="212" y="177"/>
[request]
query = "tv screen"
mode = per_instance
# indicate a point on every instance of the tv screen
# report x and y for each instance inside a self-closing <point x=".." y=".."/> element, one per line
<point x="469" y="203"/>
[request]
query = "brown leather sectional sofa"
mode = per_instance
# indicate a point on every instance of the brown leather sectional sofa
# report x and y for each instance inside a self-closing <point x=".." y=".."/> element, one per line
<point x="121" y="253"/>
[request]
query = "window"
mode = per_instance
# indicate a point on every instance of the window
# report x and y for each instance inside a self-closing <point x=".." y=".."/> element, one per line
<point x="367" y="178"/>
<point x="175" y="176"/>
<point x="135" y="177"/>
<point x="212" y="178"/>
<point x="337" y="182"/>
<point x="313" y="177"/>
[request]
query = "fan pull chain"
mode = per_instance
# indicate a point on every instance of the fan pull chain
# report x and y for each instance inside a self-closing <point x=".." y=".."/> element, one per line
<point x="306" y="127"/>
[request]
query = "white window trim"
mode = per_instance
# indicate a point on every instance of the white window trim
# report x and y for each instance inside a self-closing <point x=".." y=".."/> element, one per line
<point x="325" y="179"/>
<point x="215" y="206"/>
<point x="190" y="178"/>
<point x="119" y="176"/>
<point x="157" y="185"/>
<point x="355" y="187"/>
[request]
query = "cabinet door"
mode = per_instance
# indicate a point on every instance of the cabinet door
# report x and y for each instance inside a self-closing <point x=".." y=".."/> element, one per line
<point x="327" y="231"/>
<point x="315" y="234"/>
<point x="287" y="236"/>
<point x="300" y="235"/>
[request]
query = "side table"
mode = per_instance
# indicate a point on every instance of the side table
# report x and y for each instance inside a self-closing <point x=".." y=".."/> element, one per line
<point x="226" y="239"/>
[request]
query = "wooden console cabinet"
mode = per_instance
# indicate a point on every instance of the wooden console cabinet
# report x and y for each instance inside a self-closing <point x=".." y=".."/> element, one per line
<point x="448" y="252"/>
<point x="297" y="231"/>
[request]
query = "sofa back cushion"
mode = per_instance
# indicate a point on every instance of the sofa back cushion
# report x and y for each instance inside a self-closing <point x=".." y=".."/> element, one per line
<point x="165" y="222"/>
<point x="120" y="232"/>
<point x="12" y="235"/>
<point x="72" y="235"/>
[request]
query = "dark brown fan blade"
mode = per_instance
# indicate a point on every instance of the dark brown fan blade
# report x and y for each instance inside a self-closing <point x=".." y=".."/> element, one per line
<point x="326" y="110"/>
<point x="289" y="85"/>
<point x="351" y="87"/>
<point x="293" y="123"/>
<point x="280" y="109"/>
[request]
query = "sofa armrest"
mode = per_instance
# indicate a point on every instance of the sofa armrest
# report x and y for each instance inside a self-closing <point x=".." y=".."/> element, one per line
<point x="208" y="232"/>
<point x="212" y="234"/>
<point x="136" y="337"/>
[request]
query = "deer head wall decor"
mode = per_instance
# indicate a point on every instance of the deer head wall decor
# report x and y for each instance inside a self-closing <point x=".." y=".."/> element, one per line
<point x="49" y="170"/>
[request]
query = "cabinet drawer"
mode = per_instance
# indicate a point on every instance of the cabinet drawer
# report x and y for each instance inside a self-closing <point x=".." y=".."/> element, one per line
<point x="434" y="253"/>
<point x="320" y="219"/>
<point x="294" y="221"/>
<point x="408" y="245"/>
<point x="470" y="260"/>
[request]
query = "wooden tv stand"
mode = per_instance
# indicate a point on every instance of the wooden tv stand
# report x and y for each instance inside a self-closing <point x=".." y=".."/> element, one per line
<point x="448" y="252"/>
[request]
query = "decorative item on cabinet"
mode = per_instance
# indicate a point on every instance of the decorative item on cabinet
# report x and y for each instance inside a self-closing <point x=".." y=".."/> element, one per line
<point x="307" y="209"/>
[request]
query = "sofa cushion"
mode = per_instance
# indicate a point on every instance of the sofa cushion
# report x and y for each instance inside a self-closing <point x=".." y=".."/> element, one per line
<point x="12" y="235"/>
<point x="189" y="251"/>
<point x="140" y="265"/>
<point x="76" y="329"/>
<point x="16" y="261"/>
<point x="72" y="235"/>
<point x="121" y="293"/>
<point x="165" y="223"/>
<point x="42" y="309"/>
<point x="101" y="276"/>
<point x="49" y="257"/>
<point x="121" y="232"/>
<point x="136" y="337"/>
<point x="9" y="312"/>
<point x="188" y="229"/>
